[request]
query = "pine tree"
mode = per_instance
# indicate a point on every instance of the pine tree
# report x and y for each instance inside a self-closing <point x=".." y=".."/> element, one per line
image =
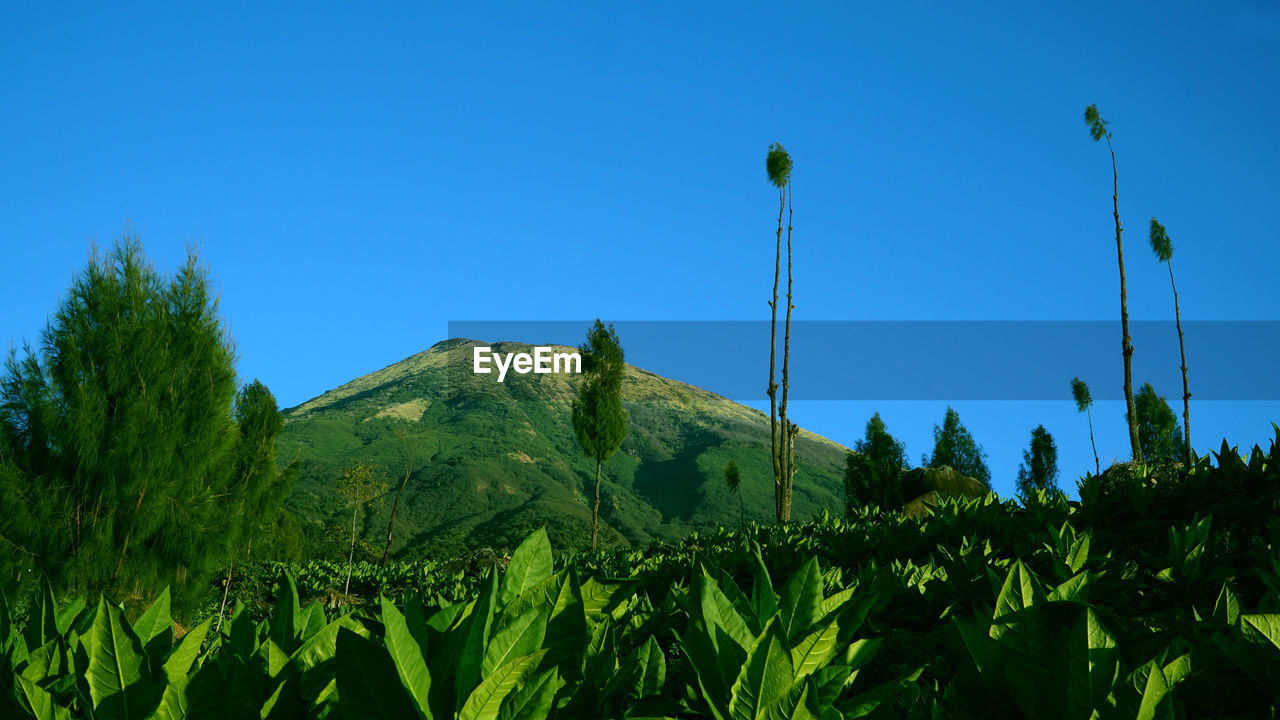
<point x="599" y="420"/>
<point x="1098" y="131"/>
<point x="733" y="478"/>
<point x="125" y="466"/>
<point x="1039" y="468"/>
<point x="1162" y="246"/>
<point x="955" y="447"/>
<point x="1158" y="430"/>
<point x="873" y="472"/>
<point x="1084" y="401"/>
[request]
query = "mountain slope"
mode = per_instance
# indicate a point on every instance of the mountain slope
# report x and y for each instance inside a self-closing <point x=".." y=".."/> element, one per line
<point x="492" y="461"/>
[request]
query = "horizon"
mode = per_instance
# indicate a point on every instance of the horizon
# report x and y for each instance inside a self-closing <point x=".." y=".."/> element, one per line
<point x="359" y="181"/>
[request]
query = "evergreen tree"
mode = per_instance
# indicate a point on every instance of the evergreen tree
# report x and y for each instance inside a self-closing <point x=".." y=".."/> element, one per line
<point x="954" y="446"/>
<point x="1039" y="468"/>
<point x="599" y="420"/>
<point x="1084" y="401"/>
<point x="260" y="488"/>
<point x="733" y="478"/>
<point x="124" y="467"/>
<point x="1158" y="430"/>
<point x="1162" y="246"/>
<point x="1098" y="131"/>
<point x="873" y="472"/>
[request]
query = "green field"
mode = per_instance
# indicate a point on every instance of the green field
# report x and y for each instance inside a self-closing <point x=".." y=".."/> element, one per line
<point x="1155" y="596"/>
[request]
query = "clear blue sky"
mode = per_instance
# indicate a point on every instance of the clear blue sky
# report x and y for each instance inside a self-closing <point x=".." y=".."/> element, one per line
<point x="359" y="177"/>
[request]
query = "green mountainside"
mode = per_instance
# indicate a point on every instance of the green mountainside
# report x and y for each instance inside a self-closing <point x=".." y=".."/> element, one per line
<point x="493" y="461"/>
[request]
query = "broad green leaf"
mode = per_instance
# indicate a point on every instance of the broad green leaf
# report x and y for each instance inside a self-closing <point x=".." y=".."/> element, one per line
<point x="801" y="601"/>
<point x="322" y="646"/>
<point x="312" y="621"/>
<point x="42" y="615"/>
<point x="532" y="700"/>
<point x="862" y="704"/>
<point x="718" y="612"/>
<point x="485" y="701"/>
<point x="599" y="598"/>
<point x="766" y="675"/>
<point x="244" y="636"/>
<point x="521" y="636"/>
<point x="729" y="587"/>
<point x="762" y="595"/>
<point x="600" y="659"/>
<point x="1092" y="665"/>
<point x="43" y="661"/>
<point x="39" y="701"/>
<point x="287" y="622"/>
<point x="6" y="624"/>
<point x="120" y="685"/>
<point x="1078" y="555"/>
<point x="835" y="602"/>
<point x="530" y="566"/>
<point x="475" y="639"/>
<point x="1074" y="589"/>
<point x="1266" y="625"/>
<point x="1227" y="608"/>
<point x="651" y="670"/>
<point x="366" y="681"/>
<point x="1019" y="621"/>
<point x="178" y="664"/>
<point x="273" y="657"/>
<point x="792" y="705"/>
<point x="814" y="650"/>
<point x="173" y="701"/>
<point x="862" y="652"/>
<point x="67" y="615"/>
<point x="697" y="647"/>
<point x="408" y="657"/>
<point x="155" y="627"/>
<point x="1154" y="694"/>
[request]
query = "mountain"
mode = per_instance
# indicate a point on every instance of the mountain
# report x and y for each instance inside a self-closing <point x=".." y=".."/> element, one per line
<point x="491" y="461"/>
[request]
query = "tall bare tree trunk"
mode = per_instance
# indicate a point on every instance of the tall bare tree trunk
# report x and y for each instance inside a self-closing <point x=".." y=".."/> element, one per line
<point x="773" y="352"/>
<point x="595" y="510"/>
<point x="226" y="589"/>
<point x="346" y="590"/>
<point x="1186" y="393"/>
<point x="1126" y="345"/>
<point x="406" y="456"/>
<point x="1097" y="466"/>
<point x="788" y="440"/>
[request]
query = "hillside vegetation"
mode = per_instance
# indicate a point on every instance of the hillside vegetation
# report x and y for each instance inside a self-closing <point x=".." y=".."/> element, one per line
<point x="493" y="461"/>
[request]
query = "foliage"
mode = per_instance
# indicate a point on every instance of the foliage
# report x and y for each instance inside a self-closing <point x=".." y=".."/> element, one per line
<point x="599" y="420"/>
<point x="778" y="165"/>
<point x="124" y="468"/>
<point x="1158" y="428"/>
<point x="1161" y="245"/>
<point x="1039" y="468"/>
<point x="953" y="446"/>
<point x="984" y="609"/>
<point x="1080" y="393"/>
<point x="1084" y="400"/>
<point x="873" y="472"/>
